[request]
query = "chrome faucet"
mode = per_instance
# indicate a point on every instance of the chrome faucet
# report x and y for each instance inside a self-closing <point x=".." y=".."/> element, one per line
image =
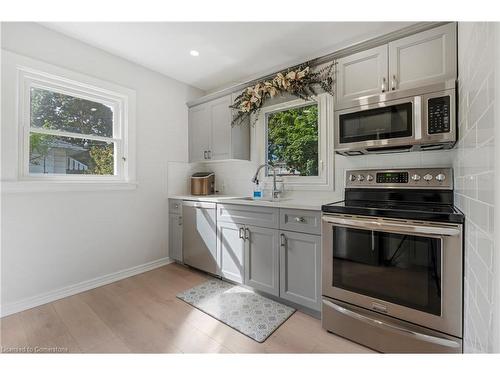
<point x="255" y="179"/>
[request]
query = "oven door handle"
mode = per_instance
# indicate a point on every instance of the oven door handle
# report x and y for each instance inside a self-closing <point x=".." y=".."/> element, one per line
<point x="381" y="324"/>
<point x="381" y="226"/>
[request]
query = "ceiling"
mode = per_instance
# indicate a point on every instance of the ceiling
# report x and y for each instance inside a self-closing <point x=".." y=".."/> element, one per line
<point x="229" y="52"/>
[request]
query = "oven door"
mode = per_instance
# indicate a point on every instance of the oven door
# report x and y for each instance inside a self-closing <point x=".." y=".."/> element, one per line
<point x="386" y="125"/>
<point x="407" y="270"/>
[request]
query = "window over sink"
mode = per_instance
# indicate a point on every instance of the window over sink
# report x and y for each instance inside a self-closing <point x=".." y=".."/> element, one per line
<point x="293" y="140"/>
<point x="295" y="137"/>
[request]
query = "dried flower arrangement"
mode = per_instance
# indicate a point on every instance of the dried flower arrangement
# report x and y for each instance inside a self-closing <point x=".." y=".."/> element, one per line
<point x="300" y="81"/>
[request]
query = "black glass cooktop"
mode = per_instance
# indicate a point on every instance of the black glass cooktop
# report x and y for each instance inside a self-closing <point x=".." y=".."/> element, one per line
<point x="404" y="210"/>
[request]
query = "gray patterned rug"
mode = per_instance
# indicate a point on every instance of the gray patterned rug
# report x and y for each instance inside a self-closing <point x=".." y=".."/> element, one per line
<point x="245" y="311"/>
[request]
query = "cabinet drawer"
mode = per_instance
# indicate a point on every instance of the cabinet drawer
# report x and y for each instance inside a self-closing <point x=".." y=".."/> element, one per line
<point x="266" y="217"/>
<point x="300" y="221"/>
<point x="175" y="206"/>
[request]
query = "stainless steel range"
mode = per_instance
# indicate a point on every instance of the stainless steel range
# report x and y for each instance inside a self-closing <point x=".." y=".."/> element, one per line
<point x="392" y="275"/>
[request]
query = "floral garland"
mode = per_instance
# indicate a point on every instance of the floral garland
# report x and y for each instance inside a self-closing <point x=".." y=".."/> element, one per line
<point x="301" y="82"/>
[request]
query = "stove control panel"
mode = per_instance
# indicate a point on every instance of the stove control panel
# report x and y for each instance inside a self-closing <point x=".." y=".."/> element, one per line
<point x="411" y="178"/>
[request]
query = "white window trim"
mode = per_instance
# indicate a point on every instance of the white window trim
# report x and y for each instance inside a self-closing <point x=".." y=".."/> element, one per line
<point x="325" y="180"/>
<point x="121" y="99"/>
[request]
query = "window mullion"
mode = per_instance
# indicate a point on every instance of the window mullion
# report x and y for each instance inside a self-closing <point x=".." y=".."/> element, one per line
<point x="73" y="135"/>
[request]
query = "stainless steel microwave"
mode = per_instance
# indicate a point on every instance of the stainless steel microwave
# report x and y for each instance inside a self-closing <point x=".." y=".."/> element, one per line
<point x="413" y="123"/>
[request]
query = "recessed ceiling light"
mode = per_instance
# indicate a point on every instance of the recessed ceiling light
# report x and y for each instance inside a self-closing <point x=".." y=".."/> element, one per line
<point x="194" y="52"/>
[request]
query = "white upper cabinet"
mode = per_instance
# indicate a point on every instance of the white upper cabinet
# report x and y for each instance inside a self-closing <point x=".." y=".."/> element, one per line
<point x="424" y="58"/>
<point x="199" y="132"/>
<point x="421" y="59"/>
<point x="362" y="74"/>
<point x="211" y="136"/>
<point x="221" y="128"/>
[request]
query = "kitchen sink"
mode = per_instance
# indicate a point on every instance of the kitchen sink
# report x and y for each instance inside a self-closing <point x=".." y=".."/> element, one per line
<point x="270" y="200"/>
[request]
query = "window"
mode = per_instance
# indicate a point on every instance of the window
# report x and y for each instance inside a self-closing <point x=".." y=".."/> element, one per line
<point x="72" y="131"/>
<point x="292" y="141"/>
<point x="294" y="137"/>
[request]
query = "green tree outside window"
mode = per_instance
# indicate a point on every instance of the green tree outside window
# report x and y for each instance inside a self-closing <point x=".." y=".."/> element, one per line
<point x="292" y="140"/>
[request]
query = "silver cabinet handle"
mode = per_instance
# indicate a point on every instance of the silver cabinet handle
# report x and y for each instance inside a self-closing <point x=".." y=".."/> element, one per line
<point x="205" y="155"/>
<point x="383" y="84"/>
<point x="300" y="219"/>
<point x="282" y="240"/>
<point x="179" y="220"/>
<point x="387" y="326"/>
<point x="210" y="154"/>
<point x="393" y="82"/>
<point x="241" y="233"/>
<point x="247" y="234"/>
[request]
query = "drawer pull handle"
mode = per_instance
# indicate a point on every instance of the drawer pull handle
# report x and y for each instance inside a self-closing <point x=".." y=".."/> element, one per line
<point x="300" y="219"/>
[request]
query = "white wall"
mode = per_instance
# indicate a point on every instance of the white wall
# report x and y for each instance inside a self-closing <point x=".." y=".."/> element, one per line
<point x="52" y="240"/>
<point x="475" y="169"/>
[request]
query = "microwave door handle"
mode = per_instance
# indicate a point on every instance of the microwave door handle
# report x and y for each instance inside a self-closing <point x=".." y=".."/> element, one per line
<point x="381" y="324"/>
<point x="417" y="117"/>
<point x="380" y="226"/>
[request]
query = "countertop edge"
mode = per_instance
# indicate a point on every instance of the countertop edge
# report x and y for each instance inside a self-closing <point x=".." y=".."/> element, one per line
<point x="238" y="200"/>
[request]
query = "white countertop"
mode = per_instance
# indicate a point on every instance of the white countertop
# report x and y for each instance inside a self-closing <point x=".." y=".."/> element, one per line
<point x="293" y="203"/>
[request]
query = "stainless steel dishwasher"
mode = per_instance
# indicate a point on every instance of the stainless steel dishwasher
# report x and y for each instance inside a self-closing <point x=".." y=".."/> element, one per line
<point x="199" y="236"/>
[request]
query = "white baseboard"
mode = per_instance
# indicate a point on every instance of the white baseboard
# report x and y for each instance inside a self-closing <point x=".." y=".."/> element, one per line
<point x="83" y="286"/>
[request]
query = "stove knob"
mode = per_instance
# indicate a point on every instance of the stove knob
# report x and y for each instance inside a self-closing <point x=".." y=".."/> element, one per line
<point x="415" y="177"/>
<point x="440" y="177"/>
<point x="352" y="177"/>
<point x="428" y="177"/>
<point x="369" y="178"/>
<point x="361" y="177"/>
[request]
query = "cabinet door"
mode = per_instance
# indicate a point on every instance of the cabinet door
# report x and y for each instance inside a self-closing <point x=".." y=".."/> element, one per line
<point x="175" y="237"/>
<point x="240" y="135"/>
<point x="199" y="132"/>
<point x="300" y="268"/>
<point x="220" y="115"/>
<point x="361" y="74"/>
<point x="261" y="259"/>
<point x="230" y="244"/>
<point x="424" y="58"/>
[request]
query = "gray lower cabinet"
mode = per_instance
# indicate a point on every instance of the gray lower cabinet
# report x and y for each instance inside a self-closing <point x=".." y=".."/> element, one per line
<point x="175" y="237"/>
<point x="300" y="268"/>
<point x="231" y="247"/>
<point x="262" y="259"/>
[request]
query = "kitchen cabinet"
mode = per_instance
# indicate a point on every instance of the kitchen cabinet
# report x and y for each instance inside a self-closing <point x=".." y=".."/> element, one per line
<point x="211" y="136"/>
<point x="175" y="237"/>
<point x="300" y="268"/>
<point x="199" y="132"/>
<point x="262" y="259"/>
<point x="362" y="74"/>
<point x="231" y="247"/>
<point x="247" y="214"/>
<point x="304" y="221"/>
<point x="422" y="59"/>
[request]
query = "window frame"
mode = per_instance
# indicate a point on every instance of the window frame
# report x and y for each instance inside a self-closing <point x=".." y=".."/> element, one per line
<point x="325" y="178"/>
<point x="124" y="166"/>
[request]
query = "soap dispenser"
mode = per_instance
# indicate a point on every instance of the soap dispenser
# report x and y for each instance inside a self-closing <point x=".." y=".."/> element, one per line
<point x="257" y="191"/>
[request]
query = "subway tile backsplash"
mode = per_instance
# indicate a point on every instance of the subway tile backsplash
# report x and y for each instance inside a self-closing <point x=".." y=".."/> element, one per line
<point x="474" y="178"/>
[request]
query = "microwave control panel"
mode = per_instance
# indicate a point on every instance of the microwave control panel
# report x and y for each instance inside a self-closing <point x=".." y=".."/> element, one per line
<point x="438" y="115"/>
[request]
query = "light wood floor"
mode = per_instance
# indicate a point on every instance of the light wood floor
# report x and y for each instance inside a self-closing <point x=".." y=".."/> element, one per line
<point x="140" y="314"/>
